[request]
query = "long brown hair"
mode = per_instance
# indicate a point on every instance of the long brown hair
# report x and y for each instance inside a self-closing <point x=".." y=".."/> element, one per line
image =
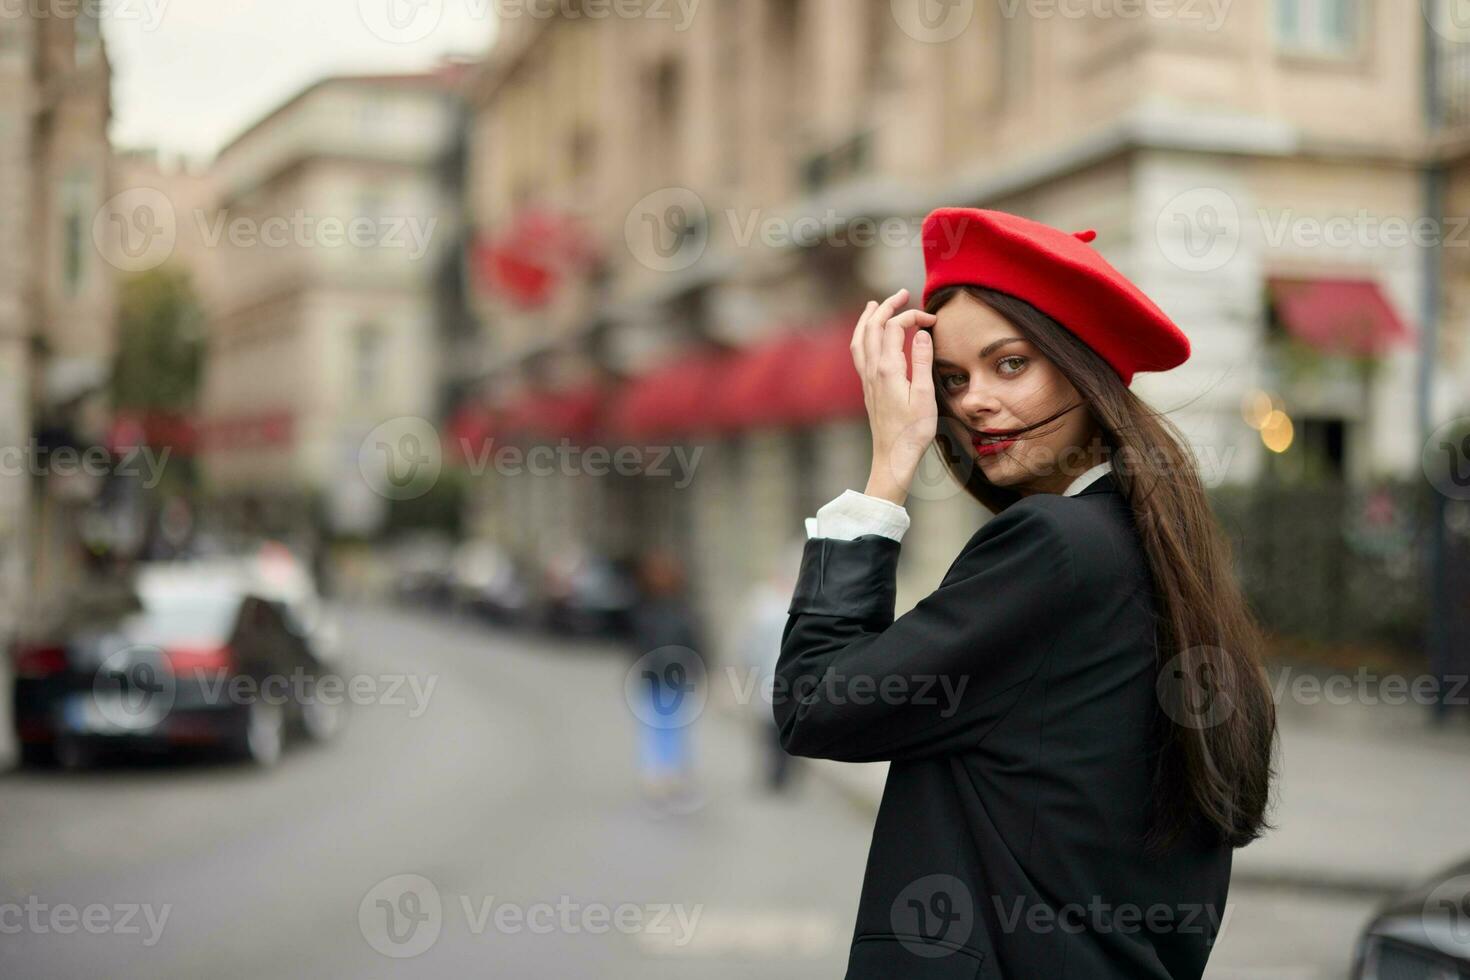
<point x="1214" y="766"/>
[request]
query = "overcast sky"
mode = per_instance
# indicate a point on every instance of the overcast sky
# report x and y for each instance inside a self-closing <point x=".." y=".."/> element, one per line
<point x="190" y="74"/>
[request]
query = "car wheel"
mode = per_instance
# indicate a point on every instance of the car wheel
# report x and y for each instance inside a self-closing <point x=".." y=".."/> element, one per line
<point x="73" y="754"/>
<point x="37" y="755"/>
<point x="264" y="735"/>
<point x="320" y="721"/>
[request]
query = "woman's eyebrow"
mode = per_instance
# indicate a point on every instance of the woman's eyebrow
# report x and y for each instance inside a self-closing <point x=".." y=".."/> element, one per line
<point x="984" y="351"/>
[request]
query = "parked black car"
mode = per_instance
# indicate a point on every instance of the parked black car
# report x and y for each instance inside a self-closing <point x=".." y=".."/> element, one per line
<point x="1423" y="934"/>
<point x="223" y="653"/>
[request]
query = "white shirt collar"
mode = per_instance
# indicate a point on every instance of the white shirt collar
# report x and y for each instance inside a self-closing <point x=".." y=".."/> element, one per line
<point x="1087" y="479"/>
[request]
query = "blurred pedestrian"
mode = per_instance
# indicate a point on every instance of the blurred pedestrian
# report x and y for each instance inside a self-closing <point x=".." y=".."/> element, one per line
<point x="759" y="647"/>
<point x="666" y="683"/>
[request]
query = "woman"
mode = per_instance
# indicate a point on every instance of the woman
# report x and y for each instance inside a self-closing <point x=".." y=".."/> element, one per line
<point x="1077" y="721"/>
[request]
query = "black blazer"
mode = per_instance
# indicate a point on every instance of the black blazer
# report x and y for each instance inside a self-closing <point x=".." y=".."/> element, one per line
<point x="1016" y="706"/>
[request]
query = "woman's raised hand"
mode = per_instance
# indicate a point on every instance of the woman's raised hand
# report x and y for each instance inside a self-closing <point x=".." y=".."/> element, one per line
<point x="902" y="412"/>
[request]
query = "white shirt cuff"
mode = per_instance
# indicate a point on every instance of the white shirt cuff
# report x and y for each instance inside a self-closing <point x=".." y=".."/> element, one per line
<point x="852" y="514"/>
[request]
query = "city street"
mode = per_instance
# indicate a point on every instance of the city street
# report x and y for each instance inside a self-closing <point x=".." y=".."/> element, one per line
<point x="510" y="786"/>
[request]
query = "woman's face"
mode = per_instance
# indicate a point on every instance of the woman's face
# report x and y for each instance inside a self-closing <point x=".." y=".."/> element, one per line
<point x="994" y="381"/>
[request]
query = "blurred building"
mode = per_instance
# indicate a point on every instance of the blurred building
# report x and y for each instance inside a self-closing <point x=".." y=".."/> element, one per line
<point x="190" y="192"/>
<point x="661" y="206"/>
<point x="56" y="285"/>
<point x="329" y="238"/>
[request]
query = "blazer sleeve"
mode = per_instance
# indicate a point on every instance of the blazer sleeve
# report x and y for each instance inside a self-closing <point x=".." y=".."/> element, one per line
<point x="853" y="684"/>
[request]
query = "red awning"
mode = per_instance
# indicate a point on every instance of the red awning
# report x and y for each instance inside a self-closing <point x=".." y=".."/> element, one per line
<point x="1349" y="316"/>
<point x="761" y="384"/>
<point x="572" y="413"/>
<point x="468" y="429"/>
<point x="157" y="429"/>
<point x="674" y="399"/>
<point x="796" y="378"/>
<point x="830" y="387"/>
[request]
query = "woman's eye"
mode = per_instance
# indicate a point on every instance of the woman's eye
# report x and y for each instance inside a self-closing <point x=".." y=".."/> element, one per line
<point x="1016" y="359"/>
<point x="950" y="379"/>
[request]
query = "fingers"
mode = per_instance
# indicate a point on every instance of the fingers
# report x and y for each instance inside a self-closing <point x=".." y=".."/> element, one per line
<point x="881" y="331"/>
<point x="857" y="337"/>
<point x="873" y="332"/>
<point x="922" y="383"/>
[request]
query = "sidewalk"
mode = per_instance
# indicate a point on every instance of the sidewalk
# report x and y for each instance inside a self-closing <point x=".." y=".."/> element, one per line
<point x="1369" y="799"/>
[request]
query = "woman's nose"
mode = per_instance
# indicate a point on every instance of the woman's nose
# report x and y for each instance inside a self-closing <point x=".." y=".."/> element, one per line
<point x="978" y="400"/>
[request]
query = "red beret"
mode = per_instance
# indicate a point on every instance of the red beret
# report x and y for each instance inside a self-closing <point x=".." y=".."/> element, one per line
<point x="1059" y="274"/>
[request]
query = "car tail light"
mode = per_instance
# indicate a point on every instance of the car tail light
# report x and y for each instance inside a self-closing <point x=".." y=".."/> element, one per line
<point x="39" y="661"/>
<point x="188" y="660"/>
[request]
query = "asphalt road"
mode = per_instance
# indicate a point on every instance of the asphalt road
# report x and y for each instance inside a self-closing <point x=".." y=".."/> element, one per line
<point x="480" y="819"/>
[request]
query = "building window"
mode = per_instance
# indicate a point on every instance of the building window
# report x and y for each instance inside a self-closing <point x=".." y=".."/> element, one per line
<point x="664" y="93"/>
<point x="1013" y="64"/>
<point x="371" y="207"/>
<point x="86" y="38"/>
<point x="76" y="204"/>
<point x="1321" y="27"/>
<point x="367" y="360"/>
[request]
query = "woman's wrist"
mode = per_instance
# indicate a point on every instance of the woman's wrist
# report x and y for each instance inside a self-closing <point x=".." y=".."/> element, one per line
<point x="881" y="484"/>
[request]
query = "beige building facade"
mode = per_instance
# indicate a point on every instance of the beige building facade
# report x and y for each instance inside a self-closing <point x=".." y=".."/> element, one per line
<point x="327" y="239"/>
<point x="56" y="286"/>
<point x="724" y="165"/>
